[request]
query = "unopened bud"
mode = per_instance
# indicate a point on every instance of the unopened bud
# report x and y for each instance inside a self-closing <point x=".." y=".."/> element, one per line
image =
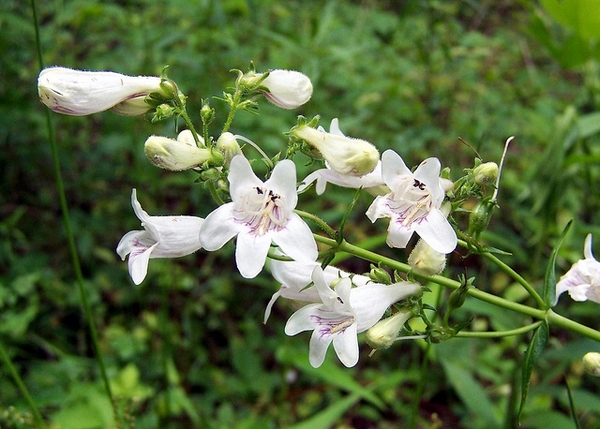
<point x="379" y="275"/>
<point x="229" y="146"/>
<point x="383" y="334"/>
<point x="591" y="363"/>
<point x="345" y="155"/>
<point x="287" y="89"/>
<point x="426" y="261"/>
<point x="176" y="155"/>
<point x="486" y="173"/>
<point x="480" y="216"/>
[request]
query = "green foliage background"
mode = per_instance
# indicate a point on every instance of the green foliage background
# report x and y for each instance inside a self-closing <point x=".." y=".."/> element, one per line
<point x="187" y="348"/>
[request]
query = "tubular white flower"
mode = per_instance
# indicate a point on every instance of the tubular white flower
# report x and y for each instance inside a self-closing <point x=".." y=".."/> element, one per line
<point x="287" y="89"/>
<point x="176" y="155"/>
<point x="383" y="334"/>
<point x="582" y="281"/>
<point x="78" y="92"/>
<point x="424" y="260"/>
<point x="343" y="313"/>
<point x="344" y="155"/>
<point x="162" y="237"/>
<point x="413" y="205"/>
<point x="260" y="213"/>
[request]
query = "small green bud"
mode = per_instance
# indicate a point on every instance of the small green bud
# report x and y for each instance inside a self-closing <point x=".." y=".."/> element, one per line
<point x="591" y="363"/>
<point x="383" y="334"/>
<point x="207" y="114"/>
<point x="169" y="88"/>
<point x="379" y="275"/>
<point x="485" y="174"/>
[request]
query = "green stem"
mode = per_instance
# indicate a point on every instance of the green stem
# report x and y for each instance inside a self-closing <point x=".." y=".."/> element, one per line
<point x="214" y="194"/>
<point x="237" y="96"/>
<point x="40" y="423"/>
<point x="316" y="219"/>
<point x="549" y="315"/>
<point x="70" y="237"/>
<point x="190" y="125"/>
<point x="500" y="334"/>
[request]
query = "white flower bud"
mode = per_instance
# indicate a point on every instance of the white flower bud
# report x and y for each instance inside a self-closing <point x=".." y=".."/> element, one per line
<point x="426" y="261"/>
<point x="227" y="144"/>
<point x="345" y="155"/>
<point x="78" y="92"/>
<point x="385" y="332"/>
<point x="175" y="155"/>
<point x="591" y="363"/>
<point x="287" y="89"/>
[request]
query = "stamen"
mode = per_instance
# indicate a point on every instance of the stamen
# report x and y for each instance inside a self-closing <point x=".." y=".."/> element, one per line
<point x="263" y="211"/>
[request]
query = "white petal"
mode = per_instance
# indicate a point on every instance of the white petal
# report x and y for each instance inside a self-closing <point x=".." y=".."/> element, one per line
<point x="271" y="302"/>
<point x="346" y="346"/>
<point x="283" y="182"/>
<point x="398" y="235"/>
<point x="392" y="166"/>
<point x="241" y="177"/>
<point x="428" y="172"/>
<point x="251" y="253"/>
<point x="587" y="247"/>
<point x="179" y="235"/>
<point x="138" y="264"/>
<point x="293" y="274"/>
<point x="219" y="227"/>
<point x="437" y="232"/>
<point x="134" y="240"/>
<point x="318" y="348"/>
<point x="334" y="127"/>
<point x="143" y="216"/>
<point x="300" y="321"/>
<point x="296" y="240"/>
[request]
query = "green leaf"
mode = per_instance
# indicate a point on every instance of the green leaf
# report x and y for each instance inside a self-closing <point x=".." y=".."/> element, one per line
<point x="330" y="415"/>
<point x="578" y="15"/>
<point x="536" y="346"/>
<point x="549" y="290"/>
<point x="588" y="125"/>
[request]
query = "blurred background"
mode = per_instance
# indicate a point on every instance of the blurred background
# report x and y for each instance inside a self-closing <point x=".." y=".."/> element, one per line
<point x="187" y="348"/>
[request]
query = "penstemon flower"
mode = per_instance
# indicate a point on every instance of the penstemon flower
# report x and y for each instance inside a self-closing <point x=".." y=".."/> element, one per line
<point x="176" y="155"/>
<point x="582" y="281"/>
<point x="78" y="92"/>
<point x="343" y="313"/>
<point x="162" y="237"/>
<point x="413" y="205"/>
<point x="260" y="213"/>
<point x="344" y="155"/>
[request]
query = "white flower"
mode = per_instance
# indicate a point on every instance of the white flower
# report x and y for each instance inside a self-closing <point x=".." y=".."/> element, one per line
<point x="78" y="92"/>
<point x="162" y="237"/>
<point x="287" y="89"/>
<point x="260" y="213"/>
<point x="343" y="313"/>
<point x="176" y="155"/>
<point x="371" y="182"/>
<point x="424" y="260"/>
<point x="582" y="281"/>
<point x="413" y="205"/>
<point x="344" y="155"/>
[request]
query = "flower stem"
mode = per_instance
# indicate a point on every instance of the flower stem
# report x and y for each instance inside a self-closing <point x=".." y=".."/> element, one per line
<point x="500" y="334"/>
<point x="237" y="96"/>
<point x="316" y="219"/>
<point x="548" y="315"/>
<point x="40" y="423"/>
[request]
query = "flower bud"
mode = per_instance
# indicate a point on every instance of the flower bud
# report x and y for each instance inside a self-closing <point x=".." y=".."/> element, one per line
<point x="591" y="363"/>
<point x="287" y="89"/>
<point x="227" y="144"/>
<point x="78" y="92"/>
<point x="345" y="155"/>
<point x="175" y="155"/>
<point x="486" y="173"/>
<point x="379" y="275"/>
<point x="426" y="261"/>
<point x="480" y="216"/>
<point x="385" y="332"/>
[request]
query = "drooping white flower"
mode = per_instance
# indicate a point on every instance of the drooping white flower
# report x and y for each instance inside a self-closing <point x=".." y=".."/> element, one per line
<point x="259" y="214"/>
<point x="413" y="205"/>
<point x="582" y="281"/>
<point x="287" y="89"/>
<point x="162" y="237"/>
<point x="371" y="182"/>
<point x="343" y="313"/>
<point x="344" y="155"/>
<point x="79" y="92"/>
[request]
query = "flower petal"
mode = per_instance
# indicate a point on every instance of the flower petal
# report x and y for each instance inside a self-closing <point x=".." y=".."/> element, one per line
<point x="346" y="346"/>
<point x="300" y="321"/>
<point x="219" y="227"/>
<point x="138" y="264"/>
<point x="437" y="232"/>
<point x="251" y="253"/>
<point x="283" y="182"/>
<point x="318" y="348"/>
<point x="392" y="166"/>
<point x="398" y="235"/>
<point x="296" y="240"/>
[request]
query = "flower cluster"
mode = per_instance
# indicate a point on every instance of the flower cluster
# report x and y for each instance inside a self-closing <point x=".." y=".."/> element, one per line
<point x="261" y="216"/>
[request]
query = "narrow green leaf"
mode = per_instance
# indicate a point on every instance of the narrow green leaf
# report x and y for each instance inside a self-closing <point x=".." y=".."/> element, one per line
<point x="330" y="415"/>
<point x="549" y="290"/>
<point x="572" y="405"/>
<point x="536" y="346"/>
